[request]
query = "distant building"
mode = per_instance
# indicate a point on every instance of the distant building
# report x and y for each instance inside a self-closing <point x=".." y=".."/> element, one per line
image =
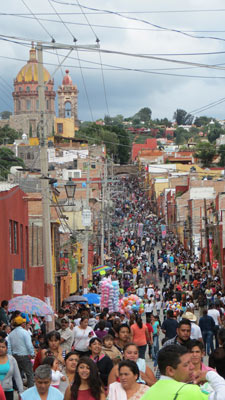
<point x="26" y="115"/>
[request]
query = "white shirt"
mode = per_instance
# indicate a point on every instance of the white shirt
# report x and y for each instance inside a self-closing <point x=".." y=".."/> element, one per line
<point x="149" y="307"/>
<point x="215" y="315"/>
<point x="195" y="331"/>
<point x="82" y="338"/>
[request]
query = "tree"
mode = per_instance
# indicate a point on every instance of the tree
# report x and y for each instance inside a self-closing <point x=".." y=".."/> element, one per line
<point x="8" y="160"/>
<point x="96" y="134"/>
<point x="5" y="114"/>
<point x="221" y="153"/>
<point x="144" y="114"/>
<point x="8" y="135"/>
<point x="124" y="147"/>
<point x="182" y="117"/>
<point x="214" y="132"/>
<point x="181" y="136"/>
<point x="201" y="121"/>
<point x="205" y="152"/>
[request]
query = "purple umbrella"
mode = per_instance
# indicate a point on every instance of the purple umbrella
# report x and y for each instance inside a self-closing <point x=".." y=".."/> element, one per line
<point x="30" y="305"/>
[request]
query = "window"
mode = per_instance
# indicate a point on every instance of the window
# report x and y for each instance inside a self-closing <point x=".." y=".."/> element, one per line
<point x="28" y="104"/>
<point x="15" y="237"/>
<point x="18" y="105"/>
<point x="85" y="166"/>
<point x="28" y="89"/>
<point x="93" y="166"/>
<point x="59" y="128"/>
<point x="68" y="110"/>
<point x="75" y="164"/>
<point x="26" y="248"/>
<point x="20" y="89"/>
<point x="37" y="104"/>
<point x="47" y="104"/>
<point x="46" y="88"/>
<point x="10" y="237"/>
<point x="21" y="246"/>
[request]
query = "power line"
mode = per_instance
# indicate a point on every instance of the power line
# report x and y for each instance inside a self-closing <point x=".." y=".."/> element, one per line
<point x="97" y="40"/>
<point x="143" y="21"/>
<point x="22" y="15"/>
<point x="59" y="16"/>
<point x="39" y="22"/>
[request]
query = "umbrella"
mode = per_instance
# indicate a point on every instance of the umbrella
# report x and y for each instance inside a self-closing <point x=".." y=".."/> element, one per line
<point x="76" y="299"/>
<point x="92" y="298"/>
<point x="30" y="305"/>
<point x="100" y="268"/>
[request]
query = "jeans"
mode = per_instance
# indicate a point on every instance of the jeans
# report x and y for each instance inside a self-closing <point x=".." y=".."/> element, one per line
<point x="208" y="341"/>
<point x="142" y="350"/>
<point x="155" y="349"/>
<point x="25" y="366"/>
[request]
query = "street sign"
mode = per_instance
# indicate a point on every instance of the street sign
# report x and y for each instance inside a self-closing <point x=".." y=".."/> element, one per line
<point x="86" y="217"/>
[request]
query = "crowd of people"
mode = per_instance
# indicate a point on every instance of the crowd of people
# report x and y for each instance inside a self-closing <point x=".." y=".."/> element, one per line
<point x="133" y="353"/>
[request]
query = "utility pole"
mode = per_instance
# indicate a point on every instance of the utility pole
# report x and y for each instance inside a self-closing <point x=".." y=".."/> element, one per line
<point x="86" y="241"/>
<point x="207" y="234"/>
<point x="46" y="219"/>
<point x="104" y="185"/>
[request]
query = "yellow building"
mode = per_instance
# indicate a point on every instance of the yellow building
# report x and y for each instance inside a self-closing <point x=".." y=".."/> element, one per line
<point x="64" y="127"/>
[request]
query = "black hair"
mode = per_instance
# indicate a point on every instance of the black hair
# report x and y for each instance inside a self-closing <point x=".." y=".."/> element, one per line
<point x="83" y="318"/>
<point x="3" y="335"/>
<point x="184" y="321"/>
<point x="61" y="311"/>
<point x="139" y="322"/>
<point x="4" y="303"/>
<point x="94" y="382"/>
<point x="94" y="340"/>
<point x="53" y="334"/>
<point x="49" y="360"/>
<point x="2" y="340"/>
<point x="71" y="353"/>
<point x="221" y="336"/>
<point x="107" y="337"/>
<point x="131" y="365"/>
<point x="170" y="356"/>
<point x="128" y="345"/>
<point x="194" y="342"/>
<point x="123" y="326"/>
<point x="101" y="324"/>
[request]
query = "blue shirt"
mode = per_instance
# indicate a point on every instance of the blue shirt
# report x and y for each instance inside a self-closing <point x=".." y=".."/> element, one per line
<point x="19" y="342"/>
<point x="32" y="394"/>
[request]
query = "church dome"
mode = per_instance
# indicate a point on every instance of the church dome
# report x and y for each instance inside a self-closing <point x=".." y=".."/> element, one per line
<point x="29" y="73"/>
<point x="67" y="79"/>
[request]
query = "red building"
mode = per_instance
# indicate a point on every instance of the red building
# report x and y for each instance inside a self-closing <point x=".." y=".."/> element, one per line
<point x="150" y="144"/>
<point x="17" y="277"/>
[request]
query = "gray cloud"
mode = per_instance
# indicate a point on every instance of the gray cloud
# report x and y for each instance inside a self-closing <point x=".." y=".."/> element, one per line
<point x="126" y="91"/>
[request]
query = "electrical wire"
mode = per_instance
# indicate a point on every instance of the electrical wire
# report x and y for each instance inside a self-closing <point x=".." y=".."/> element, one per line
<point x="27" y="16"/>
<point x="39" y="22"/>
<point x="127" y="54"/>
<point x="64" y="24"/>
<point x="110" y="12"/>
<point x="100" y="58"/>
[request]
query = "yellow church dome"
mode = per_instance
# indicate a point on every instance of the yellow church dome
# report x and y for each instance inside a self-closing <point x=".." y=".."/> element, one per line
<point x="29" y="73"/>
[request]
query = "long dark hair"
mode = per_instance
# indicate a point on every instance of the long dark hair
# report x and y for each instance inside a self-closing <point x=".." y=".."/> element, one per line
<point x="94" y="382"/>
<point x="139" y="322"/>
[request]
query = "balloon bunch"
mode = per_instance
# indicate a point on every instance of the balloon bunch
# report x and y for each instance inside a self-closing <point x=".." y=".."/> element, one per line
<point x="110" y="294"/>
<point x="173" y="305"/>
<point x="130" y="304"/>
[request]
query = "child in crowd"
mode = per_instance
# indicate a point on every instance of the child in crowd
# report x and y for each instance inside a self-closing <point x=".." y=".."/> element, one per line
<point x="110" y="350"/>
<point x="57" y="375"/>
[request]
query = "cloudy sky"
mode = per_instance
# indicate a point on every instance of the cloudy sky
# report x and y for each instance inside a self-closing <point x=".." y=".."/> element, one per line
<point x="156" y="54"/>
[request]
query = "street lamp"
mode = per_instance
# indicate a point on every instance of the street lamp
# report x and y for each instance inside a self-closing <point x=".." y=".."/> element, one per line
<point x="70" y="188"/>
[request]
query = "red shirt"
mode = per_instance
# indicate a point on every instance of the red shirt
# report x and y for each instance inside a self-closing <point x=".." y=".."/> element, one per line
<point x="150" y="328"/>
